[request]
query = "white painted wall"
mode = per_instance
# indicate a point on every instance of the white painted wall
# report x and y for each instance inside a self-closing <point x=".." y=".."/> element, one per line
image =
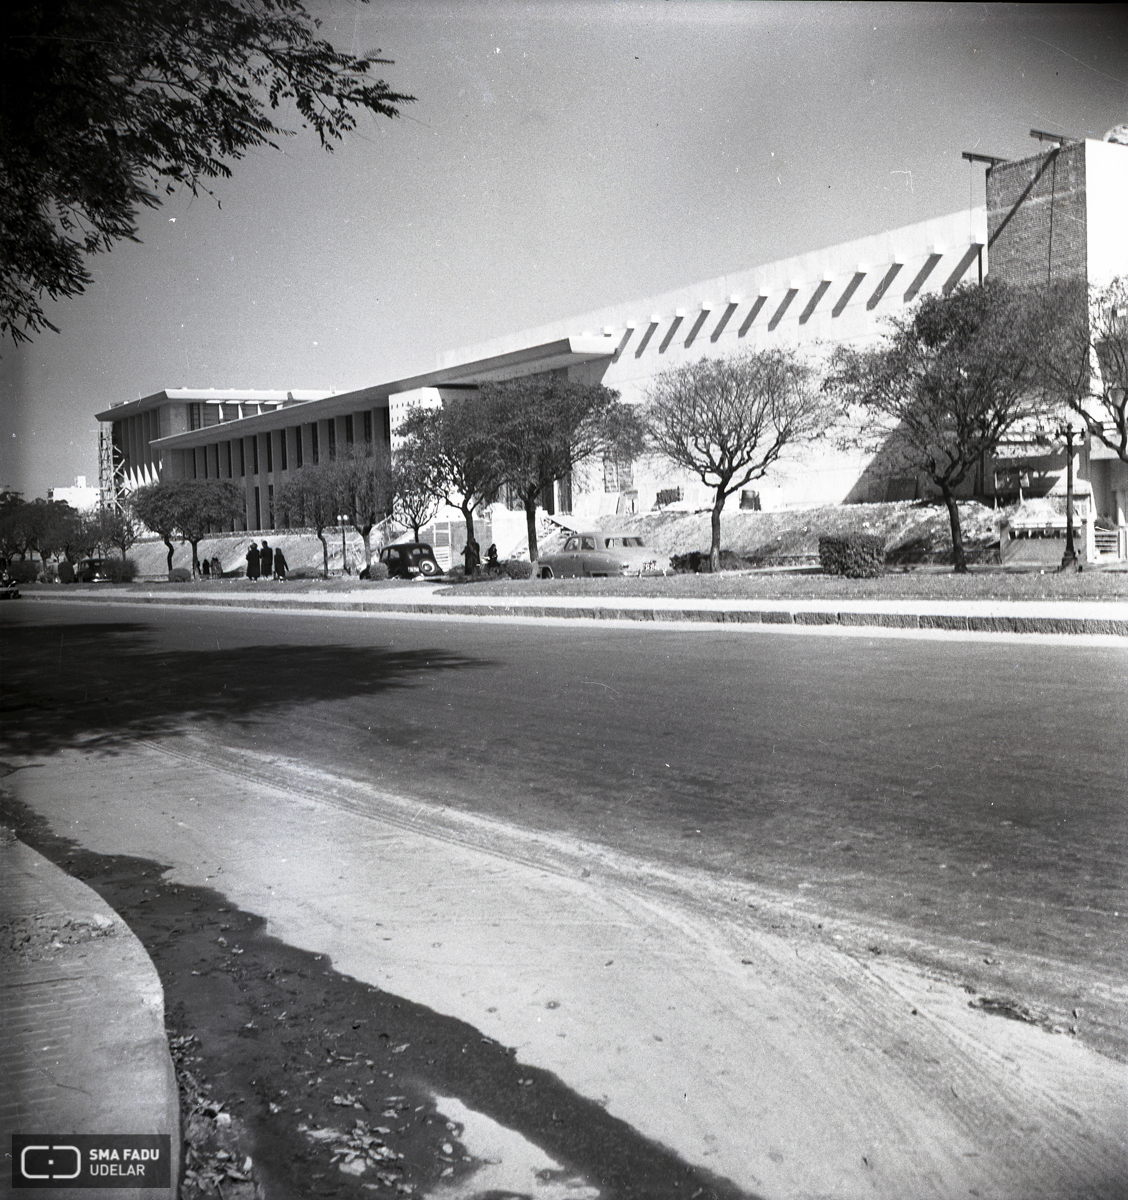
<point x="1106" y="215"/>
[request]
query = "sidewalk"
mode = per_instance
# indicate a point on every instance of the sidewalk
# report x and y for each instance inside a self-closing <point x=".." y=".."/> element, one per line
<point x="82" y="1038"/>
<point x="1088" y="618"/>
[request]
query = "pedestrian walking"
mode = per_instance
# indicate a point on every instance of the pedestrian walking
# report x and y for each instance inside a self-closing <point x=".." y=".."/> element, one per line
<point x="281" y="566"/>
<point x="205" y="568"/>
<point x="216" y="567"/>
<point x="253" y="562"/>
<point x="266" y="560"/>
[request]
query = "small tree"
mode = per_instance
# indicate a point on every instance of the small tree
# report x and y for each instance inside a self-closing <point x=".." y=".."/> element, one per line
<point x="1082" y="357"/>
<point x="949" y="382"/>
<point x="729" y="419"/>
<point x="51" y="527"/>
<point x="414" y="502"/>
<point x="113" y="526"/>
<point x="459" y="442"/>
<point x="187" y="509"/>
<point x="310" y="499"/>
<point x="545" y="426"/>
<point x="155" y="506"/>
<point x="204" y="505"/>
<point x="363" y="485"/>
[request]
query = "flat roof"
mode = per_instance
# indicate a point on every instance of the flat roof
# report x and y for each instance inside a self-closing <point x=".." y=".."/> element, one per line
<point x="129" y="408"/>
<point x="528" y="360"/>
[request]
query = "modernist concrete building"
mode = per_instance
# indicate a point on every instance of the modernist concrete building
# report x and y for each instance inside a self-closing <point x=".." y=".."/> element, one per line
<point x="1058" y="213"/>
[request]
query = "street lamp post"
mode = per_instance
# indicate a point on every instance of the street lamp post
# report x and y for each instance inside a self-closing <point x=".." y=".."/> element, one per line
<point x="342" y="520"/>
<point x="1069" y="558"/>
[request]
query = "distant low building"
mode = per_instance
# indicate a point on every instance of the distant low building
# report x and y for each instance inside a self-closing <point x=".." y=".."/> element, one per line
<point x="79" y="497"/>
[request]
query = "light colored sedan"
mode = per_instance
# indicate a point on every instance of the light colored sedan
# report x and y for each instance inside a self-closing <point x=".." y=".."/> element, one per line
<point x="600" y="553"/>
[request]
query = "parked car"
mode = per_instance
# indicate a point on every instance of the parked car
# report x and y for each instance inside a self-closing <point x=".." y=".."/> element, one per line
<point x="410" y="560"/>
<point x="92" y="570"/>
<point x="599" y="552"/>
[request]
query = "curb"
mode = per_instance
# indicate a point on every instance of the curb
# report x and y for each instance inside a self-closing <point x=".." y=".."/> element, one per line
<point x="793" y="614"/>
<point x="83" y="1048"/>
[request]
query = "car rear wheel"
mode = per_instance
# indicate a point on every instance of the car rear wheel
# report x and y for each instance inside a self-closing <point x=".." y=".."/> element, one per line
<point x="426" y="567"/>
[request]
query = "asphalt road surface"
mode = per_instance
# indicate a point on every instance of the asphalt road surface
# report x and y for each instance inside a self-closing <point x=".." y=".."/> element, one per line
<point x="954" y="804"/>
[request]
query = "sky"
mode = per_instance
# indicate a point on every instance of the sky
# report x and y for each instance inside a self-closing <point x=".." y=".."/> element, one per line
<point x="559" y="156"/>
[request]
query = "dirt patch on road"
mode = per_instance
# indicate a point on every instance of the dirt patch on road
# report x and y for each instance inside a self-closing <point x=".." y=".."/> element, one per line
<point x="299" y="1081"/>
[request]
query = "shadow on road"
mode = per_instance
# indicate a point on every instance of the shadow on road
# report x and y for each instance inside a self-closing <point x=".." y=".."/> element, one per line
<point x="91" y="685"/>
<point x="270" y="1034"/>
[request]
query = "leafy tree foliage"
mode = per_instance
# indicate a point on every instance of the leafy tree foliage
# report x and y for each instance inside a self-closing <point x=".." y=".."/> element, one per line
<point x="362" y="485"/>
<point x="105" y="105"/>
<point x="1082" y="344"/>
<point x="310" y="498"/>
<point x="545" y="426"/>
<point x="414" y="502"/>
<point x="459" y="443"/>
<point x="949" y="382"/>
<point x="188" y="509"/>
<point x="113" y="527"/>
<point x="728" y="420"/>
<point x="50" y="528"/>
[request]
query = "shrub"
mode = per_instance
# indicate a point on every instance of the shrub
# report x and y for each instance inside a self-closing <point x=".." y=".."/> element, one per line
<point x="697" y="562"/>
<point x="24" y="570"/>
<point x="180" y="575"/>
<point x="518" y="568"/>
<point x="121" y="570"/>
<point x="378" y="570"/>
<point x="855" y="555"/>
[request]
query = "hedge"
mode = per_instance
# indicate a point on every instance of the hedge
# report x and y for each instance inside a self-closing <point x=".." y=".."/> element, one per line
<point x="855" y="555"/>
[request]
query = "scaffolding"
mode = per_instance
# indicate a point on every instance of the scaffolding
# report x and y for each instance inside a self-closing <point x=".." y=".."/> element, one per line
<point x="110" y="476"/>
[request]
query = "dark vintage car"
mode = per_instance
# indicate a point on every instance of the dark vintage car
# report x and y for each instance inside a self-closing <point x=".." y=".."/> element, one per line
<point x="410" y="560"/>
<point x="91" y="570"/>
<point x="601" y="552"/>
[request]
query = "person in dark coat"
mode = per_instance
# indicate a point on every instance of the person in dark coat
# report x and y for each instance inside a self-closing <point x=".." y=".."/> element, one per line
<point x="266" y="560"/>
<point x="252" y="562"/>
<point x="281" y="566"/>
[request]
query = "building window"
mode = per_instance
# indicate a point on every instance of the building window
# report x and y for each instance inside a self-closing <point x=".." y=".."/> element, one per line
<point x="349" y="430"/>
<point x="270" y="452"/>
<point x="298" y="444"/>
<point x="254" y="456"/>
<point x="242" y="457"/>
<point x="315" y="448"/>
<point x="258" y="511"/>
<point x="368" y="427"/>
<point x="332" y="427"/>
<point x="195" y="417"/>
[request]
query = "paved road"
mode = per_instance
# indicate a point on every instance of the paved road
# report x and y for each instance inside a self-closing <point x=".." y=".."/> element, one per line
<point x="954" y="801"/>
<point x="952" y="788"/>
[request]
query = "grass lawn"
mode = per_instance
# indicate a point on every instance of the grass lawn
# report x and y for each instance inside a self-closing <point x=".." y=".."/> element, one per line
<point x="919" y="584"/>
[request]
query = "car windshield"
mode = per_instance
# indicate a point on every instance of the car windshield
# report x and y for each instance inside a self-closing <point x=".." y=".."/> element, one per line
<point x="622" y="541"/>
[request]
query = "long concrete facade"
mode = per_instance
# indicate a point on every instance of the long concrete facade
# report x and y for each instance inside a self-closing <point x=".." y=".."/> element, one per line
<point x="1049" y="216"/>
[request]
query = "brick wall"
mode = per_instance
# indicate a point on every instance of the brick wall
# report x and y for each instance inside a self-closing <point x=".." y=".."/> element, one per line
<point x="1036" y="217"/>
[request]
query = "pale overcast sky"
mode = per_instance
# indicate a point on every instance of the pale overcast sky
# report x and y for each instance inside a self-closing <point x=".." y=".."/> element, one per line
<point x="560" y="156"/>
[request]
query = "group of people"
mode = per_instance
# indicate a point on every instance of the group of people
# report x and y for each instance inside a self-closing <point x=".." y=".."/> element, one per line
<point x="266" y="563"/>
<point x="210" y="568"/>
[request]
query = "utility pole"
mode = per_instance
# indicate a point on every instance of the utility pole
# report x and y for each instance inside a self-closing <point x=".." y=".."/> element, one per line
<point x="1069" y="558"/>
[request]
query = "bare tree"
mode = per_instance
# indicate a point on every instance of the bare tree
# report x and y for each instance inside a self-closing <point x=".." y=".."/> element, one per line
<point x="1082" y="352"/>
<point x="729" y="419"/>
<point x="949" y="382"/>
